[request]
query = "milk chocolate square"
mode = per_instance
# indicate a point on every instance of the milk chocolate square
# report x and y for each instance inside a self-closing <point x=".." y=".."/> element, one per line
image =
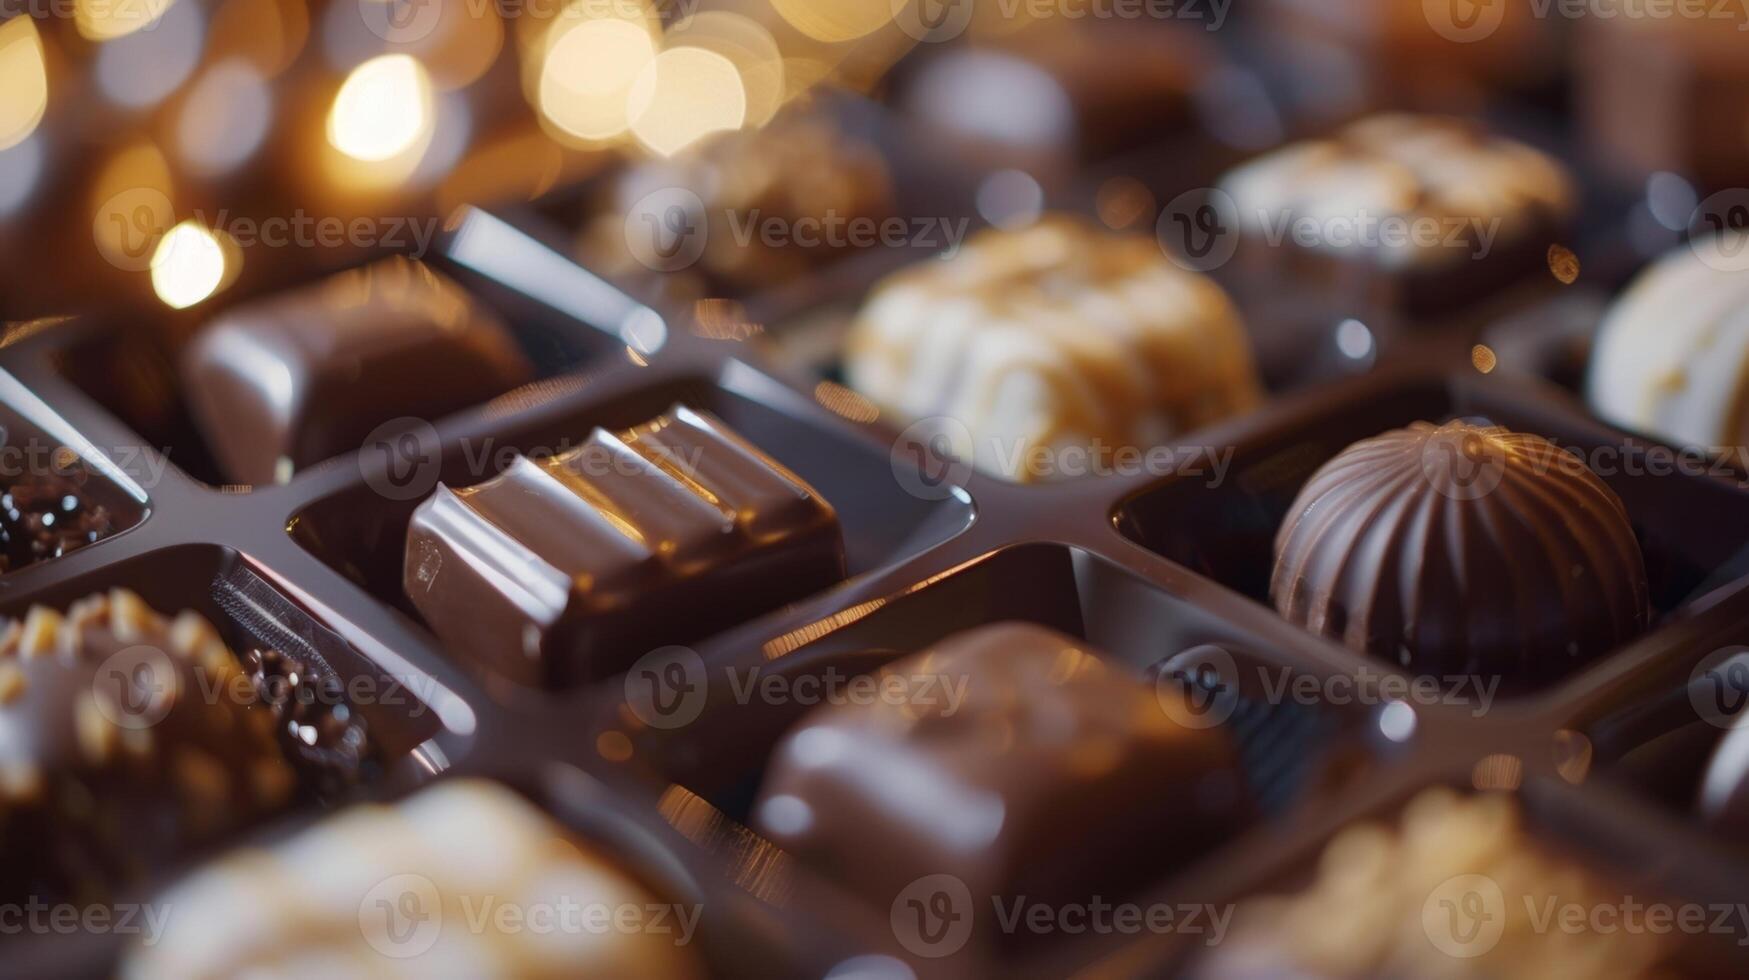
<point x="1011" y="758"/>
<point x="563" y="570"/>
<point x="294" y="379"/>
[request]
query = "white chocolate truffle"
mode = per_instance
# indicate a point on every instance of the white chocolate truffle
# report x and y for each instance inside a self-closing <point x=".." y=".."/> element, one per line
<point x="1672" y="356"/>
<point x="465" y="879"/>
<point x="1055" y="336"/>
<point x="1403" y="171"/>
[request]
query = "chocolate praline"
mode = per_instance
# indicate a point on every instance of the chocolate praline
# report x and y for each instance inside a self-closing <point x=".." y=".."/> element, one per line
<point x="1462" y="548"/>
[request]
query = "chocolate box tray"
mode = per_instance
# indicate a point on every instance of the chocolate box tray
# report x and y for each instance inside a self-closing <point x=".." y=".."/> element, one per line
<point x="1165" y="571"/>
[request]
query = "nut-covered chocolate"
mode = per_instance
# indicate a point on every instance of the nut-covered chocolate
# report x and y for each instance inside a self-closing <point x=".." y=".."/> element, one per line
<point x="300" y="377"/>
<point x="1011" y="757"/>
<point x="463" y="879"/>
<point x="565" y="569"/>
<point x="1459" y="889"/>
<point x="46" y="515"/>
<point x="1060" y="336"/>
<point x="127" y="741"/>
<point x="1462" y="549"/>
<point x="707" y="215"/>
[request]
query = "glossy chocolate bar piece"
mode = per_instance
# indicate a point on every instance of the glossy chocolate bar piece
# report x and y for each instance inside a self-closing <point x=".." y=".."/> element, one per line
<point x="563" y="570"/>
<point x="1012" y="758"/>
<point x="294" y="379"/>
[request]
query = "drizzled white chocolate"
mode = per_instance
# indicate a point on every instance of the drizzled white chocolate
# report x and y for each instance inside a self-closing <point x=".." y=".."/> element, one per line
<point x="1432" y="172"/>
<point x="1059" y="335"/>
<point x="1672" y="356"/>
<point x="463" y="879"/>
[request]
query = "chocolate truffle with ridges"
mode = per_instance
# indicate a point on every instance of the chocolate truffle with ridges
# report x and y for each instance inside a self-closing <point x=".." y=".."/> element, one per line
<point x="1056" y="336"/>
<point x="1672" y="357"/>
<point x="1012" y="757"/>
<point x="564" y="570"/>
<point x="1462" y="549"/>
<point x="394" y="892"/>
<point x="291" y="380"/>
<point x="1436" y="205"/>
<point x="127" y="741"/>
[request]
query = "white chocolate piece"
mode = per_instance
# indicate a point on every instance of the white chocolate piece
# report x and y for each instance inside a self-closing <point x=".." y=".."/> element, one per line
<point x="1672" y="356"/>
<point x="1403" y="169"/>
<point x="483" y="884"/>
<point x="1059" y="335"/>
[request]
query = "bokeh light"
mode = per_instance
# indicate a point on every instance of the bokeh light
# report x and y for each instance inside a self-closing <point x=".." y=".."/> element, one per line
<point x="750" y="46"/>
<point x="383" y="110"/>
<point x="268" y="34"/>
<point x="104" y="20"/>
<point x="683" y="95"/>
<point x="835" y="21"/>
<point x="21" y="167"/>
<point x="24" y="81"/>
<point x="188" y="266"/>
<point x="590" y="68"/>
<point x="224" y="119"/>
<point x="145" y="66"/>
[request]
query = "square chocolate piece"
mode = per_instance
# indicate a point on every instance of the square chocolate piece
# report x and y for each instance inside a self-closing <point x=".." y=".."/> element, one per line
<point x="294" y="379"/>
<point x="564" y="570"/>
<point x="1012" y="758"/>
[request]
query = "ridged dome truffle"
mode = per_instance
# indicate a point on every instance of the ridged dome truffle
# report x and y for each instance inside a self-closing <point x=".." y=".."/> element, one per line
<point x="1462" y="549"/>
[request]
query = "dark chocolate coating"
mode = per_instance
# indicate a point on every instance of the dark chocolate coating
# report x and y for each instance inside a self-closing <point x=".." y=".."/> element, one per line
<point x="1057" y="777"/>
<point x="563" y="570"/>
<point x="1462" y="549"/>
<point x="127" y="741"/>
<point x="307" y="375"/>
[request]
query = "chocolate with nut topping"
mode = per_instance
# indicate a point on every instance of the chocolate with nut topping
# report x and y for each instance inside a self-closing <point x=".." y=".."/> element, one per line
<point x="127" y="741"/>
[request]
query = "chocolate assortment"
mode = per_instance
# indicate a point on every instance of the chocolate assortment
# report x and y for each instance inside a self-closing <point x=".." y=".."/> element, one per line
<point x="1048" y="777"/>
<point x="993" y="584"/>
<point x="1461" y="549"/>
<point x="573" y="557"/>
<point x="1059" y="335"/>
